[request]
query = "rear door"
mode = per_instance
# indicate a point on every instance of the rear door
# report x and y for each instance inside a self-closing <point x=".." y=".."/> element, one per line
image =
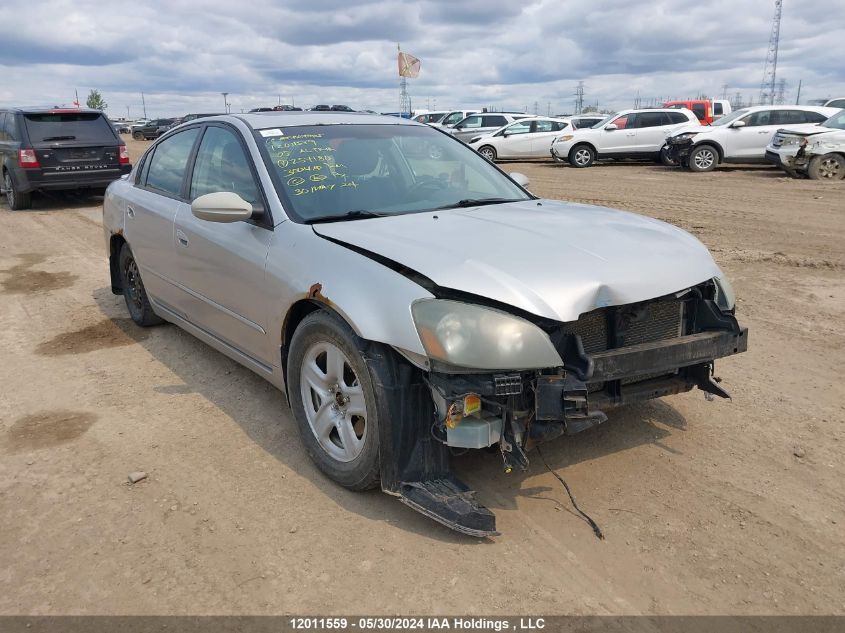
<point x="543" y="132"/>
<point x="220" y="267"/>
<point x="151" y="207"/>
<point x="652" y="129"/>
<point x="82" y="143"/>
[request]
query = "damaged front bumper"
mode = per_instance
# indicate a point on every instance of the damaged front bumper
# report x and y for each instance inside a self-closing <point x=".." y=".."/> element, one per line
<point x="518" y="410"/>
<point x="678" y="149"/>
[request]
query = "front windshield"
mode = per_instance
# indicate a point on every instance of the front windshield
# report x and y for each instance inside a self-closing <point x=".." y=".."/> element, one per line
<point x="728" y="118"/>
<point x="329" y="171"/>
<point x="837" y="121"/>
<point x="605" y="121"/>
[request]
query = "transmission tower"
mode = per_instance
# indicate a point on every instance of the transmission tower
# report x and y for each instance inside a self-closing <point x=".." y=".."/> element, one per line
<point x="579" y="98"/>
<point x="781" y="92"/>
<point x="770" y="68"/>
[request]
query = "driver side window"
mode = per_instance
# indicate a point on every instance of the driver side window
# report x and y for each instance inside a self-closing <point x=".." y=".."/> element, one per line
<point x="222" y="165"/>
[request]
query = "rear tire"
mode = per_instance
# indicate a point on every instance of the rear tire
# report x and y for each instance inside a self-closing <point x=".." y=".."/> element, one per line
<point x="137" y="301"/>
<point x="488" y="152"/>
<point x="703" y="158"/>
<point x="335" y="400"/>
<point x="582" y="156"/>
<point x="17" y="200"/>
<point x="826" y="167"/>
<point x="667" y="160"/>
<point x="138" y="136"/>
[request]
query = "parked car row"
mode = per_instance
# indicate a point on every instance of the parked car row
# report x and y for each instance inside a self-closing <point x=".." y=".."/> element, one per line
<point x="673" y="135"/>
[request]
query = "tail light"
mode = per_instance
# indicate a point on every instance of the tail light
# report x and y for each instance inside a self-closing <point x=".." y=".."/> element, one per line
<point x="123" y="155"/>
<point x="27" y="158"/>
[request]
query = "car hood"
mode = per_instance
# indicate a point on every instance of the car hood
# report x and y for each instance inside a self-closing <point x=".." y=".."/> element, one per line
<point x="807" y="129"/>
<point x="553" y="259"/>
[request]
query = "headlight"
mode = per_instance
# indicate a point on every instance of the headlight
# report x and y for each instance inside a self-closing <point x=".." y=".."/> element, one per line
<point x="685" y="136"/>
<point x="474" y="140"/>
<point x="471" y="336"/>
<point x="790" y="140"/>
<point x="725" y="297"/>
<point x="564" y="138"/>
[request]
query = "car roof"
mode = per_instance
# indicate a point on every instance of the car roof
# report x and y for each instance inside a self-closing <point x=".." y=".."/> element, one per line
<point x="636" y="110"/>
<point x="757" y="108"/>
<point x="54" y="110"/>
<point x="263" y="120"/>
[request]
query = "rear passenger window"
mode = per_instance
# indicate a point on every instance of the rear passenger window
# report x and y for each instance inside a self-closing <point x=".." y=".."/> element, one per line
<point x="494" y="121"/>
<point x="814" y="117"/>
<point x="2" y="122"/>
<point x="169" y="162"/>
<point x="649" y="119"/>
<point x="677" y="117"/>
<point x="10" y="127"/>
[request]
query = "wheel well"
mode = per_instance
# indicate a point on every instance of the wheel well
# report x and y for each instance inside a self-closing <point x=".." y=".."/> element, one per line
<point x="586" y="144"/>
<point x="115" y="244"/>
<point x="715" y="146"/>
<point x="297" y="312"/>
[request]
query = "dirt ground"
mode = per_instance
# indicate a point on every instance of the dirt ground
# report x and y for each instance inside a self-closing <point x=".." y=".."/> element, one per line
<point x="708" y="507"/>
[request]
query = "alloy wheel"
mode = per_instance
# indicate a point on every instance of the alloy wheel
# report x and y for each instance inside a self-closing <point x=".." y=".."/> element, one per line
<point x="582" y="157"/>
<point x="830" y="169"/>
<point x="333" y="400"/>
<point x="10" y="192"/>
<point x="704" y="159"/>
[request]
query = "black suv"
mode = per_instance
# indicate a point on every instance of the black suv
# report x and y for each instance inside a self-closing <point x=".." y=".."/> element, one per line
<point x="152" y="130"/>
<point x="57" y="148"/>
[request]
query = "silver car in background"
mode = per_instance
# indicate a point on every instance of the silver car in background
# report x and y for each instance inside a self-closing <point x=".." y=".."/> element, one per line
<point x="408" y="296"/>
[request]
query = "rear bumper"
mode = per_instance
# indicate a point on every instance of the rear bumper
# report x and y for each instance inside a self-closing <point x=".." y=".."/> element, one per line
<point x="28" y="180"/>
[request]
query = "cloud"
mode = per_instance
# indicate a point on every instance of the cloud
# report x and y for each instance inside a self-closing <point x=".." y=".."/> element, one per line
<point x="498" y="53"/>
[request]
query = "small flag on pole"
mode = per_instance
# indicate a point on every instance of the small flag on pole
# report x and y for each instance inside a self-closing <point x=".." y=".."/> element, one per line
<point x="409" y="66"/>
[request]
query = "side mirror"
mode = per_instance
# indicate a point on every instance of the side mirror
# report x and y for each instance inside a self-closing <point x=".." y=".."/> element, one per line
<point x="520" y="179"/>
<point x="610" y="127"/>
<point x="221" y="206"/>
<point x="738" y="124"/>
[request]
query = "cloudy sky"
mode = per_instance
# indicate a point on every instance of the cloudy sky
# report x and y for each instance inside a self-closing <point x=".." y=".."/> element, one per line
<point x="498" y="53"/>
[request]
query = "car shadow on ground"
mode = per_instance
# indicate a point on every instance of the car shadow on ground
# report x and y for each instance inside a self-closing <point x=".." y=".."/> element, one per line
<point x="268" y="421"/>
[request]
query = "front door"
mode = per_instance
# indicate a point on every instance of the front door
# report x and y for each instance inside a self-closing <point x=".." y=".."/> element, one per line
<point x="221" y="268"/>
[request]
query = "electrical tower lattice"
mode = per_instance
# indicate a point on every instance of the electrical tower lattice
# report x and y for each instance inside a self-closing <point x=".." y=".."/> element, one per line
<point x="770" y="69"/>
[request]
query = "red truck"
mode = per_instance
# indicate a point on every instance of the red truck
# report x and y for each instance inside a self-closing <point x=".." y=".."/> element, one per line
<point x="705" y="110"/>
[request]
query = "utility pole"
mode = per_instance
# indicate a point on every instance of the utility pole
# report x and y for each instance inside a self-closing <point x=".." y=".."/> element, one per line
<point x="579" y="98"/>
<point x="798" y="96"/>
<point x="144" y="105"/>
<point x="724" y="92"/>
<point x="770" y="68"/>
<point x="225" y="103"/>
<point x="127" y="113"/>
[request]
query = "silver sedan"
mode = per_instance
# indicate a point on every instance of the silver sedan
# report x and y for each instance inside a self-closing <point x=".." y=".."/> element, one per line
<point x="407" y="295"/>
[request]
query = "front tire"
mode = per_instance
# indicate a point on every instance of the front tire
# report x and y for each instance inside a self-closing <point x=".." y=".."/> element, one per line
<point x="826" y="167"/>
<point x="17" y="200"/>
<point x="137" y="301"/>
<point x="582" y="156"/>
<point x="334" y="401"/>
<point x="703" y="158"/>
<point x="138" y="136"/>
<point x="488" y="152"/>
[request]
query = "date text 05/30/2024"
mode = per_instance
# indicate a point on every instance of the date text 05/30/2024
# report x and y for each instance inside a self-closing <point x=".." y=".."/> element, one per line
<point x="417" y="623"/>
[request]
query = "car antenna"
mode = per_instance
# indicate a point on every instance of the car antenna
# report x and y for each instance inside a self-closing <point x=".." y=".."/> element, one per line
<point x="593" y="524"/>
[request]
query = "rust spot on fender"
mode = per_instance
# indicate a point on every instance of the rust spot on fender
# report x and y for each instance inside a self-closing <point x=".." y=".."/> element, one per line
<point x="316" y="292"/>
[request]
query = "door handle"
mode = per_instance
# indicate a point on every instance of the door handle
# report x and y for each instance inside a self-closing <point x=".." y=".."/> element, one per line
<point x="130" y="212"/>
<point x="181" y="237"/>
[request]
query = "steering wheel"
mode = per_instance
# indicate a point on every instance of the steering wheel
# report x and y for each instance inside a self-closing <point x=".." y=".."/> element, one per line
<point x="426" y="183"/>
